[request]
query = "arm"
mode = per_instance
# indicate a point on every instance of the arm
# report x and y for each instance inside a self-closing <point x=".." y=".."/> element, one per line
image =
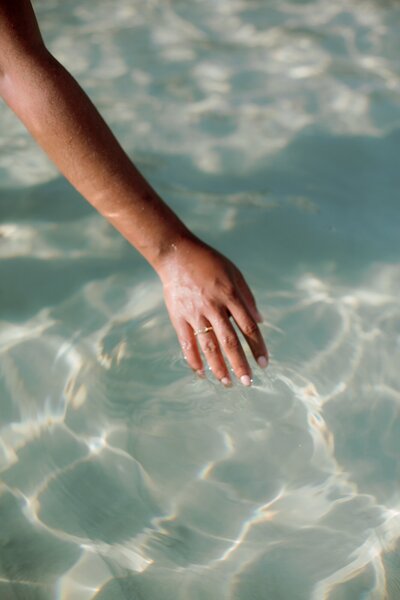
<point x="201" y="287"/>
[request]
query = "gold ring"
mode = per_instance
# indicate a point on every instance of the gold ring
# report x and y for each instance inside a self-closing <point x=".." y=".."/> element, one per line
<point x="203" y="330"/>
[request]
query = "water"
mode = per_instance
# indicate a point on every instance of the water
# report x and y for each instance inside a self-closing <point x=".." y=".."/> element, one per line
<point x="273" y="130"/>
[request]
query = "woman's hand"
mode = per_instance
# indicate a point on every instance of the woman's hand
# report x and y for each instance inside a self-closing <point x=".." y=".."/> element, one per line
<point x="202" y="291"/>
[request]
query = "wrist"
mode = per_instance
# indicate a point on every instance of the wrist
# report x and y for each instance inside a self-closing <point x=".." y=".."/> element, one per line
<point x="178" y="248"/>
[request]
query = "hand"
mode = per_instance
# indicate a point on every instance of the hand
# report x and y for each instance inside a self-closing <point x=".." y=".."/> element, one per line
<point x="202" y="290"/>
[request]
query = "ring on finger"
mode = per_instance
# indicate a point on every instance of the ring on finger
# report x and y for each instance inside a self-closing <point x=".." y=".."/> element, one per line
<point x="203" y="330"/>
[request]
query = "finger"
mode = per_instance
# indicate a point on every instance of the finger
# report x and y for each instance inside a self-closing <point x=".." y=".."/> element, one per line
<point x="210" y="347"/>
<point x="249" y="299"/>
<point x="189" y="346"/>
<point x="232" y="348"/>
<point x="251" y="332"/>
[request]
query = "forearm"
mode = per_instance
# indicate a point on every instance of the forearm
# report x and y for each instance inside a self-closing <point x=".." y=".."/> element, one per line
<point x="203" y="290"/>
<point x="68" y="127"/>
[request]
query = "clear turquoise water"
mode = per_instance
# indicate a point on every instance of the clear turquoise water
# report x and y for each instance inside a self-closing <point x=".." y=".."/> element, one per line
<point x="274" y="131"/>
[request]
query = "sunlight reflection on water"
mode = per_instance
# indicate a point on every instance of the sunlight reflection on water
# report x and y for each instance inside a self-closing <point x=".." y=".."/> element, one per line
<point x="273" y="132"/>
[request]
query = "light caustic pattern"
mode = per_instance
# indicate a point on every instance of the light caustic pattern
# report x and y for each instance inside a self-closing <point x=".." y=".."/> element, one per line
<point x="221" y="82"/>
<point x="121" y="475"/>
<point x="118" y="483"/>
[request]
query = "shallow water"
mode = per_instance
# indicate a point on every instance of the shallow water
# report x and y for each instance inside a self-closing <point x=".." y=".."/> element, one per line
<point x="274" y="132"/>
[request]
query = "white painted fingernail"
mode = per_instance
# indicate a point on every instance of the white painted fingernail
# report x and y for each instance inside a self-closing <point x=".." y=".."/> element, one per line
<point x="226" y="381"/>
<point x="245" y="380"/>
<point x="262" y="361"/>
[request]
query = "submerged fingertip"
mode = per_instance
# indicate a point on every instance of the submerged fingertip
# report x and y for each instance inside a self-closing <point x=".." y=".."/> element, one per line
<point x="262" y="362"/>
<point x="245" y="380"/>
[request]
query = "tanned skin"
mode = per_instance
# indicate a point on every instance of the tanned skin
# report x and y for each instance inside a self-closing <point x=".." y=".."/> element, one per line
<point x="202" y="288"/>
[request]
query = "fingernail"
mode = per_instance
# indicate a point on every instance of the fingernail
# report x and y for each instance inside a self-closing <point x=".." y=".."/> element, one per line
<point x="262" y="361"/>
<point x="226" y="381"/>
<point x="201" y="374"/>
<point x="245" y="380"/>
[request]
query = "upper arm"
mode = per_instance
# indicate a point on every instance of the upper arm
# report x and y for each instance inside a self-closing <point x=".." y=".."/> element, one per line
<point x="19" y="32"/>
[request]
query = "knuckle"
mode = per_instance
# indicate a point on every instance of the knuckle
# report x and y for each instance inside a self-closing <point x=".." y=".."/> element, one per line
<point x="250" y="328"/>
<point x="209" y="347"/>
<point x="230" y="342"/>
<point x="186" y="345"/>
<point x="210" y="305"/>
<point x="232" y="294"/>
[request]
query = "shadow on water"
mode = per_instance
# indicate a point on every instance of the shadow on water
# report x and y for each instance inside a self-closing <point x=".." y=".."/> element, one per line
<point x="324" y="201"/>
<point x="53" y="201"/>
<point x="35" y="281"/>
<point x="336" y="194"/>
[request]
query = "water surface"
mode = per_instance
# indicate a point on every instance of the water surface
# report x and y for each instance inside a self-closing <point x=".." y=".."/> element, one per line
<point x="274" y="131"/>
